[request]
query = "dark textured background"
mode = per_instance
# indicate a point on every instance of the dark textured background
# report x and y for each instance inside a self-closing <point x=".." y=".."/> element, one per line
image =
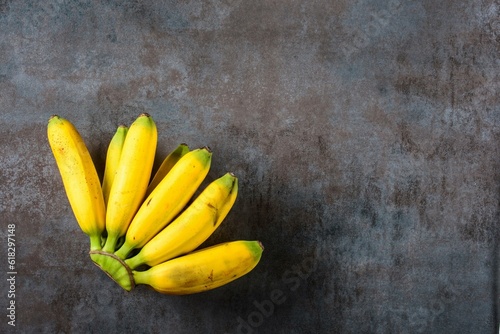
<point x="366" y="136"/>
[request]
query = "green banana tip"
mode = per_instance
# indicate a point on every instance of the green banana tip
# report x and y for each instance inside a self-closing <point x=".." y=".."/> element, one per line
<point x="144" y="114"/>
<point x="260" y="244"/>
<point x="53" y="116"/>
<point x="231" y="179"/>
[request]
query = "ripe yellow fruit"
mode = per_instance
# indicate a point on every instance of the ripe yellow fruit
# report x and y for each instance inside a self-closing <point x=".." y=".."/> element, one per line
<point x="167" y="199"/>
<point x="202" y="270"/>
<point x="79" y="177"/>
<point x="131" y="178"/>
<point x="193" y="226"/>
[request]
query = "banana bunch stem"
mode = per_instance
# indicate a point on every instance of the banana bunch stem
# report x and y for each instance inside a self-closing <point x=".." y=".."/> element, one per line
<point x="114" y="267"/>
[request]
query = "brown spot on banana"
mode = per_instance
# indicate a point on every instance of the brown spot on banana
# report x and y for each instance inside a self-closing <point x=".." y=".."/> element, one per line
<point x="211" y="276"/>
<point x="210" y="205"/>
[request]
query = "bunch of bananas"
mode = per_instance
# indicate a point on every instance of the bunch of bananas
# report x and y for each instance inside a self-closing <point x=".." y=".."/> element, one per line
<point x="147" y="232"/>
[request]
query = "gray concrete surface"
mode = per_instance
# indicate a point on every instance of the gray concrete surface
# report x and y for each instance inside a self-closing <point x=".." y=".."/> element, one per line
<point x="366" y="136"/>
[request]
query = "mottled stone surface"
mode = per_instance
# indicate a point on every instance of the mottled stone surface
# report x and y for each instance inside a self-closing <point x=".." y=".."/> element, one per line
<point x="366" y="136"/>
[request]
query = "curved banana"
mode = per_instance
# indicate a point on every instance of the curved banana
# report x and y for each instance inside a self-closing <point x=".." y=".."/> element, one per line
<point x="112" y="159"/>
<point x="131" y="178"/>
<point x="202" y="270"/>
<point x="167" y="199"/>
<point x="166" y="166"/>
<point x="193" y="226"/>
<point x="79" y="177"/>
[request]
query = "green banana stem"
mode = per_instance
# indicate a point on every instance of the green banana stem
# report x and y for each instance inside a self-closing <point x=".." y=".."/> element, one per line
<point x="95" y="242"/>
<point x="140" y="277"/>
<point x="110" y="244"/>
<point x="114" y="267"/>
<point x="123" y="252"/>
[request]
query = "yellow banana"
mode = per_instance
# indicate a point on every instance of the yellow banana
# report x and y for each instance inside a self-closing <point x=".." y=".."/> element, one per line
<point x="112" y="159"/>
<point x="131" y="178"/>
<point x="202" y="270"/>
<point x="193" y="226"/>
<point x="166" y="166"/>
<point x="167" y="199"/>
<point x="79" y="177"/>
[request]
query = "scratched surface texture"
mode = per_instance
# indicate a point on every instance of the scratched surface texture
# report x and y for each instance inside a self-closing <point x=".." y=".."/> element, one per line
<point x="365" y="134"/>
